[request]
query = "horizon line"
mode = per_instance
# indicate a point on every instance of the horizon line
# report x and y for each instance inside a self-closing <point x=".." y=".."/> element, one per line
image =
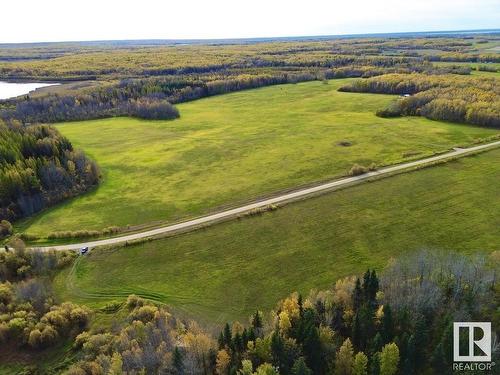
<point x="263" y="38"/>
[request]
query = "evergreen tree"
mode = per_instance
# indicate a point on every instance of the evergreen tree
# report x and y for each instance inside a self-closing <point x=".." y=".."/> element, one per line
<point x="301" y="306"/>
<point x="228" y="337"/>
<point x="387" y="325"/>
<point x="344" y="359"/>
<point x="375" y="364"/>
<point x="447" y="341"/>
<point x="220" y="341"/>
<point x="376" y="344"/>
<point x="357" y="296"/>
<point x="360" y="365"/>
<point x="389" y="359"/>
<point x="238" y="342"/>
<point x="370" y="287"/>
<point x="374" y="286"/>
<point x="367" y="285"/>
<point x="421" y="340"/>
<point x="278" y="350"/>
<point x="244" y="337"/>
<point x="312" y="350"/>
<point x="356" y="332"/>
<point x="300" y="367"/>
<point x="410" y="357"/>
<point x="366" y="325"/>
<point x="251" y="334"/>
<point x="438" y="361"/>
<point x="178" y="361"/>
<point x="257" y="323"/>
<point x="402" y="343"/>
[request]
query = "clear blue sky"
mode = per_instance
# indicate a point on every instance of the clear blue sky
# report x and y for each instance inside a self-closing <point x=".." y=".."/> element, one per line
<point x="56" y="20"/>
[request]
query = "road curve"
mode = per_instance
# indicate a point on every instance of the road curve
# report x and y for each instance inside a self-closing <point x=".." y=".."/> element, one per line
<point x="186" y="225"/>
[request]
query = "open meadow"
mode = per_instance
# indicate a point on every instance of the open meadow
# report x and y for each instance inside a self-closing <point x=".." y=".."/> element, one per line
<point x="223" y="272"/>
<point x="231" y="148"/>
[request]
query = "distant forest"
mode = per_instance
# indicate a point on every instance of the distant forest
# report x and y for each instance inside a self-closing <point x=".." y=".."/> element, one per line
<point x="144" y="81"/>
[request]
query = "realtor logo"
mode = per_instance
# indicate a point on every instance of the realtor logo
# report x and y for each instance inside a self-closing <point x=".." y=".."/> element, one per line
<point x="479" y="342"/>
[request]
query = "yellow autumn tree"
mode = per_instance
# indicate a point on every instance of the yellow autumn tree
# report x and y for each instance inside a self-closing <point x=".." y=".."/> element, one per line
<point x="222" y="362"/>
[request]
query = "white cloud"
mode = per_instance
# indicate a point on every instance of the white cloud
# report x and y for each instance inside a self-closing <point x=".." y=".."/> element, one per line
<point x="35" y="20"/>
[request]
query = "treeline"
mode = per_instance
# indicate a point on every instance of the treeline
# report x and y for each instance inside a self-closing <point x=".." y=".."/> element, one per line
<point x="39" y="167"/>
<point x="472" y="100"/>
<point x="29" y="316"/>
<point x="55" y="108"/>
<point x="150" y="98"/>
<point x="487" y="68"/>
<point x="193" y="60"/>
<point x="180" y="89"/>
<point x="463" y="57"/>
<point x="398" y="324"/>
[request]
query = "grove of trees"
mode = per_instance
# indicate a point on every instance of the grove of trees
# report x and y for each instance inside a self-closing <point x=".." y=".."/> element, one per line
<point x="472" y="100"/>
<point x="29" y="316"/>
<point x="38" y="167"/>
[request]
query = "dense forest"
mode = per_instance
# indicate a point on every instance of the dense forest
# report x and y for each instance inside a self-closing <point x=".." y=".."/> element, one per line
<point x="39" y="167"/>
<point x="472" y="100"/>
<point x="80" y="61"/>
<point x="383" y="324"/>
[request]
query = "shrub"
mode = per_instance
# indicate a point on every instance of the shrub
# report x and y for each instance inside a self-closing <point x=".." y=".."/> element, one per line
<point x="5" y="229"/>
<point x="28" y="237"/>
<point x="57" y="319"/>
<point x="4" y="333"/>
<point x="6" y="293"/>
<point x="144" y="313"/>
<point x="35" y="338"/>
<point x="48" y="336"/>
<point x="134" y="301"/>
<point x="357" y="170"/>
<point x="81" y="339"/>
<point x="261" y="210"/>
<point x="80" y="316"/>
<point x="83" y="233"/>
<point x="392" y="110"/>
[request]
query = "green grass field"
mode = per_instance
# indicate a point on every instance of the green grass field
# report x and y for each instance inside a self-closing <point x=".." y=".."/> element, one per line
<point x="225" y="271"/>
<point x="474" y="67"/>
<point x="231" y="148"/>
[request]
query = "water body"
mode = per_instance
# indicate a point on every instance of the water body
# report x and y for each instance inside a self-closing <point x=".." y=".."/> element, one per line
<point x="11" y="90"/>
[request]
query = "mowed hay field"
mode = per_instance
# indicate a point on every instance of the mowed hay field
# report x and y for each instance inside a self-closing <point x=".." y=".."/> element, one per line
<point x="224" y="271"/>
<point x="235" y="147"/>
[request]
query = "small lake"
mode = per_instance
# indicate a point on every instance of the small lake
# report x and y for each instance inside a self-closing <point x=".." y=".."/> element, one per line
<point x="12" y="89"/>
